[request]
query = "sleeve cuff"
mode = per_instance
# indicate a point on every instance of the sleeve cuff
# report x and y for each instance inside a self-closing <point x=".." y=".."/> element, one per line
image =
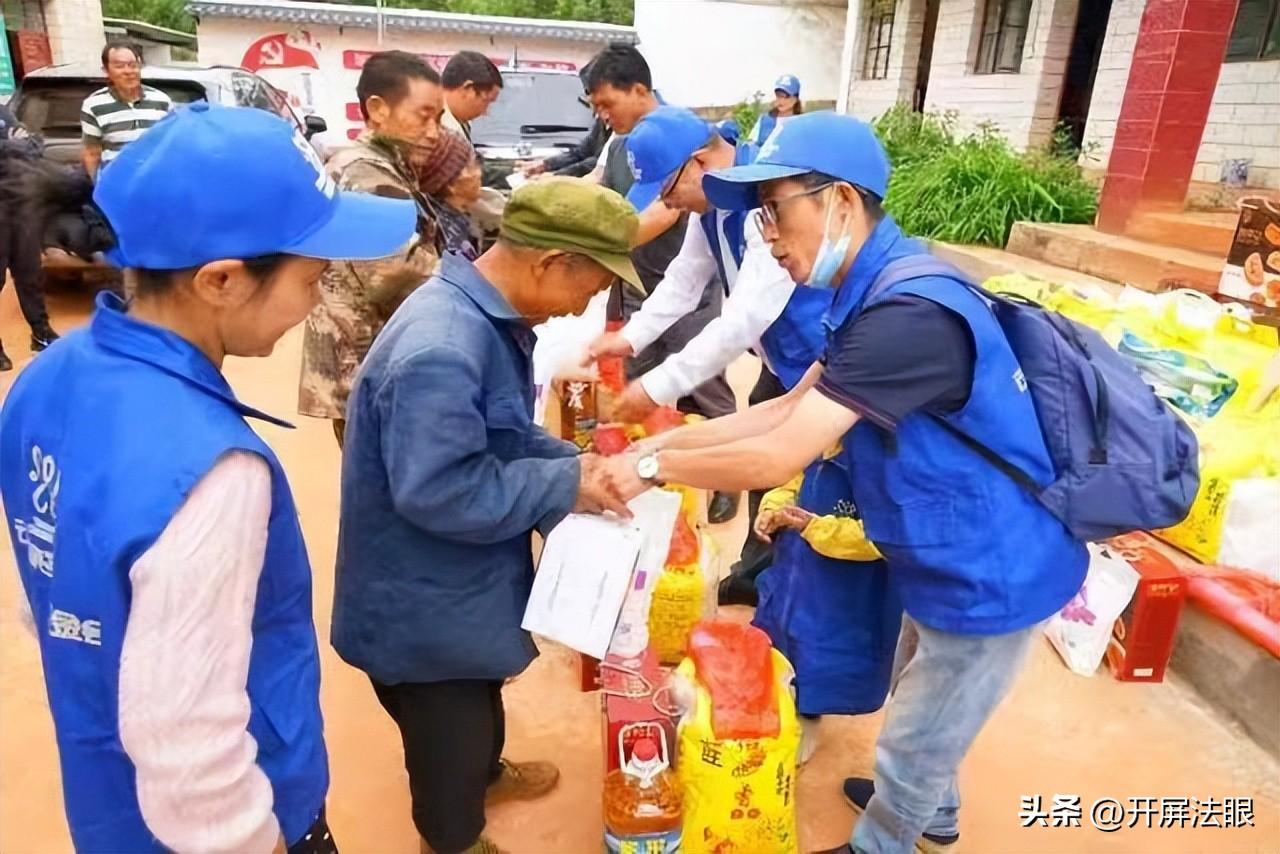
<point x="563" y="494"/>
<point x="662" y="388"/>
<point x="637" y="335"/>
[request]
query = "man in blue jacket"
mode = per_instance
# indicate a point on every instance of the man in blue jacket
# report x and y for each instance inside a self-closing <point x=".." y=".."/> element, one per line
<point x="445" y="478"/>
<point x="909" y="369"/>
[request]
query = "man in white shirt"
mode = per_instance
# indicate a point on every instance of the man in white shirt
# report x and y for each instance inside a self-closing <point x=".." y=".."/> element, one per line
<point x="671" y="149"/>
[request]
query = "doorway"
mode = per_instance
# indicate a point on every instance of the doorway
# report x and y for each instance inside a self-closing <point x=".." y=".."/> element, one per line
<point x="1082" y="68"/>
<point x="926" y="55"/>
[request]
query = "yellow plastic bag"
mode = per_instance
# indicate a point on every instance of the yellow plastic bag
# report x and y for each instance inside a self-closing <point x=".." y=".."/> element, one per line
<point x="676" y="608"/>
<point x="1233" y="449"/>
<point x="739" y="795"/>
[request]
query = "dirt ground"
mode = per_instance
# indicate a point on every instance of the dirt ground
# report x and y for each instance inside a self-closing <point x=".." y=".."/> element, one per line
<point x="1058" y="734"/>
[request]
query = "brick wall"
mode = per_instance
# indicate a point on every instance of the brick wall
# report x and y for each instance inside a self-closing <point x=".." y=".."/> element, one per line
<point x="75" y="30"/>
<point x="1244" y="121"/>
<point x="1023" y="106"/>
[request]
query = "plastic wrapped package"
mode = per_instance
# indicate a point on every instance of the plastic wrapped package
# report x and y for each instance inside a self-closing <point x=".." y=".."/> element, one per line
<point x="678" y="596"/>
<point x="1081" y="631"/>
<point x="739" y="792"/>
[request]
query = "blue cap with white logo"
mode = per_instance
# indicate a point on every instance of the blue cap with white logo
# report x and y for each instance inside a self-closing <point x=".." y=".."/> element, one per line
<point x="659" y="145"/>
<point x="834" y="144"/>
<point x="210" y="183"/>
<point x="788" y="83"/>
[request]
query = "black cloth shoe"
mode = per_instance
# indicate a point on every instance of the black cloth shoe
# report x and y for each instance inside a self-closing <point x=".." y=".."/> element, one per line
<point x="5" y="364"/>
<point x="737" y="589"/>
<point x="858" y="792"/>
<point x="42" y="337"/>
<point x="724" y="506"/>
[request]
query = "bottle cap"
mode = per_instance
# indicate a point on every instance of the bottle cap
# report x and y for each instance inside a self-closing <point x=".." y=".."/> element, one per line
<point x="644" y="750"/>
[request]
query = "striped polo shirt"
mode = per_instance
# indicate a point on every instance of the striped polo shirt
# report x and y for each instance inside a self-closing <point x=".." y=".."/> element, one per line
<point x="113" y="123"/>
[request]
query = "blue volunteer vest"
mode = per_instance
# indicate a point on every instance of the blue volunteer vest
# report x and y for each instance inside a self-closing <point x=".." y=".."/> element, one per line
<point x="836" y="621"/>
<point x="102" y="438"/>
<point x="795" y="340"/>
<point x="970" y="551"/>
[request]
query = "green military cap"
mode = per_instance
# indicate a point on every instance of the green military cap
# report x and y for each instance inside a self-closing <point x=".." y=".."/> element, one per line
<point x="578" y="217"/>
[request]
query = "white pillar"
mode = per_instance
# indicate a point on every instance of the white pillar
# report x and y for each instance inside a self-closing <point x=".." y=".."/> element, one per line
<point x="75" y="30"/>
<point x="852" y="23"/>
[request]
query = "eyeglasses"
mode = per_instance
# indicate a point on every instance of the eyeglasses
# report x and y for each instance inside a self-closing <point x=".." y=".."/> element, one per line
<point x="768" y="213"/>
<point x="675" y="179"/>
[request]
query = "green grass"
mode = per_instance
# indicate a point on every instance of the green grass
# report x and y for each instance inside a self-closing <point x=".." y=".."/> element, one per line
<point x="972" y="188"/>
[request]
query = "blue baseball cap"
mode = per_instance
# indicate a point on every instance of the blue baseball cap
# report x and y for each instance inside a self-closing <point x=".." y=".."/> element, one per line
<point x="788" y="83"/>
<point x="208" y="183"/>
<point x="834" y="144"/>
<point x="659" y="145"/>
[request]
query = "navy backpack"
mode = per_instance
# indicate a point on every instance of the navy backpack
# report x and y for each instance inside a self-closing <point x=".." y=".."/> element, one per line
<point x="1123" y="459"/>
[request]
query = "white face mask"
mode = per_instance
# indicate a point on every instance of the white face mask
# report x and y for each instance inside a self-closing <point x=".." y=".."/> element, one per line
<point x="830" y="253"/>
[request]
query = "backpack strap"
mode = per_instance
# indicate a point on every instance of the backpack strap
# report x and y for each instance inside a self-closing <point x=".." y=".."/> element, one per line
<point x="923" y="266"/>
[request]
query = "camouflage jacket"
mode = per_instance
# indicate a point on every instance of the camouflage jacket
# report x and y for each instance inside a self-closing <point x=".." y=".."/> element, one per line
<point x="358" y="297"/>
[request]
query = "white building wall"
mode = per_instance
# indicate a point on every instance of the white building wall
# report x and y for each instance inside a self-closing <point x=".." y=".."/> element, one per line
<point x="329" y="89"/>
<point x="868" y="98"/>
<point x="715" y="53"/>
<point x="1023" y="106"/>
<point x="1244" y="119"/>
<point x="75" y="30"/>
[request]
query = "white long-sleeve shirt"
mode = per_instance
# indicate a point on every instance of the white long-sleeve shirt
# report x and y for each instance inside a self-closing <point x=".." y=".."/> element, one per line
<point x="184" y="667"/>
<point x="758" y="292"/>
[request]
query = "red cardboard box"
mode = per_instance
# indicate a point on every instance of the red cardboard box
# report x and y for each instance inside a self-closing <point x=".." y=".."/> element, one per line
<point x="634" y="692"/>
<point x="1142" y="639"/>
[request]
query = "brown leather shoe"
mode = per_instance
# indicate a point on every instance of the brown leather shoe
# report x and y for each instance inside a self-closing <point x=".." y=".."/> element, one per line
<point x="522" y="781"/>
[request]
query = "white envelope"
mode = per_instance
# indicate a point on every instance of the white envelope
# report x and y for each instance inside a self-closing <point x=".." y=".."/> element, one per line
<point x="582" y="578"/>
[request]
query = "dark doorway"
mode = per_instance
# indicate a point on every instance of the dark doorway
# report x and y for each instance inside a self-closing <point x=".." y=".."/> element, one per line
<point x="1082" y="67"/>
<point x="926" y="55"/>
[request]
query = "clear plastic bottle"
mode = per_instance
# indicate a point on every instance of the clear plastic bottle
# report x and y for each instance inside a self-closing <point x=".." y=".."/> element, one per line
<point x="642" y="803"/>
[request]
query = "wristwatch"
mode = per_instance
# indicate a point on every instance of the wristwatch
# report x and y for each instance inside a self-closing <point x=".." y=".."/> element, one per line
<point x="647" y="468"/>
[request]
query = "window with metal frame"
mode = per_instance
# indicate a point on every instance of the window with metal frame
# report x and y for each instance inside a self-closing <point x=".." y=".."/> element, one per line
<point x="875" y="58"/>
<point x="1004" y="31"/>
<point x="1256" y="34"/>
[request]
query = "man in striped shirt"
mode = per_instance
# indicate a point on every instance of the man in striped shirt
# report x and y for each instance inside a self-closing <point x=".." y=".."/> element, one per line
<point x="119" y="113"/>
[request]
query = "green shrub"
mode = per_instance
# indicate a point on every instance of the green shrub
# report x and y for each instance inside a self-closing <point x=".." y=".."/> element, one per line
<point x="748" y="112"/>
<point x="973" y="188"/>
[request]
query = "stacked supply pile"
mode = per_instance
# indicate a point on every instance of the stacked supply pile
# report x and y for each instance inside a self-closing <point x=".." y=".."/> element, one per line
<point x="1217" y="369"/>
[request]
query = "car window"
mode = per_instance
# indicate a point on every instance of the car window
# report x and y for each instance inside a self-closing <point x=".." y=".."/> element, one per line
<point x="252" y="91"/>
<point x="51" y="108"/>
<point x="546" y="106"/>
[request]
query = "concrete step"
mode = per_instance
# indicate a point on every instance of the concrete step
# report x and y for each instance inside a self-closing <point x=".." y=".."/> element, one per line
<point x="983" y="262"/>
<point x="1127" y="260"/>
<point x="1201" y="231"/>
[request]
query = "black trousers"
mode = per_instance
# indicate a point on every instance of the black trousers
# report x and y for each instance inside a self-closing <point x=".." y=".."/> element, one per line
<point x="453" y="734"/>
<point x="20" y="255"/>
<point x="757" y="554"/>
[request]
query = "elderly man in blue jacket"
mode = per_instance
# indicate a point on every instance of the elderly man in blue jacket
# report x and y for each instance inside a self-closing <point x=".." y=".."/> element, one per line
<point x="446" y="477"/>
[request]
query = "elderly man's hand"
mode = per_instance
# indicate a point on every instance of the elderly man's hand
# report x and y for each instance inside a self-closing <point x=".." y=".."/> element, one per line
<point x="633" y="405"/>
<point x="598" y="489"/>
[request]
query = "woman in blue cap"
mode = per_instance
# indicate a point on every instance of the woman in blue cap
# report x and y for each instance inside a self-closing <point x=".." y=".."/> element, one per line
<point x="786" y="103"/>
<point x="155" y="533"/>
